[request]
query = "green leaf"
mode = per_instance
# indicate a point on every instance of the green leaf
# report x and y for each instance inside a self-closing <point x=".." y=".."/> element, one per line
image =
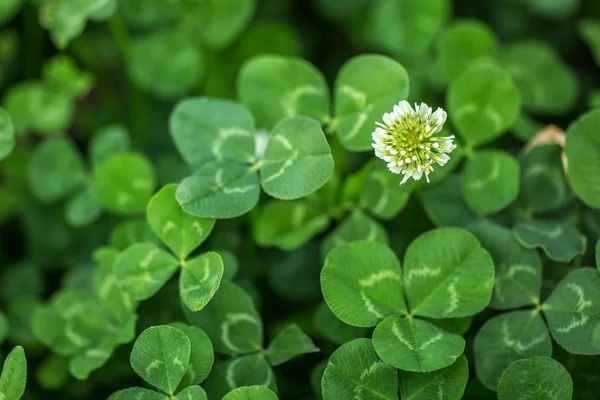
<point x="180" y="231"/>
<point x="383" y="195"/>
<point x="411" y="344"/>
<point x="589" y="30"/>
<point x="205" y="130"/>
<point x="247" y="370"/>
<point x="559" y="240"/>
<point x="53" y="372"/>
<point x="66" y="19"/>
<point x="107" y="287"/>
<point x="330" y="327"/>
<point x="62" y="75"/>
<point x="143" y="268"/>
<point x="201" y="356"/>
<point x="136" y="393"/>
<point x="355" y="227"/>
<point x="108" y="141"/>
<point x="573" y="312"/>
<point x="464" y="43"/>
<point x="490" y="181"/>
<point x="161" y="356"/>
<point x="227" y="19"/>
<point x="33" y="106"/>
<point x="199" y="280"/>
<point x="543" y="184"/>
<point x="447" y="274"/>
<point x="82" y="364"/>
<point x="297" y="160"/>
<point x="483" y="102"/>
<point x="408" y="25"/>
<point x="167" y="64"/>
<point x="546" y="83"/>
<point x="55" y="169"/>
<point x="361" y="283"/>
<point x="288" y="224"/>
<point x="192" y="393"/>
<point x="83" y="208"/>
<point x="443" y="384"/>
<point x="289" y="343"/>
<point x="14" y="375"/>
<point x="230" y="320"/>
<point x="251" y="393"/>
<point x="366" y="87"/>
<point x="124" y="183"/>
<point x="275" y="87"/>
<point x="131" y="232"/>
<point x="7" y="134"/>
<point x="518" y="278"/>
<point x="583" y="152"/>
<point x="538" y="378"/>
<point x="219" y="190"/>
<point x="506" y="338"/>
<point x="444" y="203"/>
<point x="9" y="9"/>
<point x="355" y="370"/>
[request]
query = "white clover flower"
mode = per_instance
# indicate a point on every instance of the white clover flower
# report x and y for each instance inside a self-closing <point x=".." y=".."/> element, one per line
<point x="406" y="140"/>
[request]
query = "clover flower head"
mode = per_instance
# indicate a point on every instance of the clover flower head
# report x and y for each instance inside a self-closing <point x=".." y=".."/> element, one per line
<point x="407" y="143"/>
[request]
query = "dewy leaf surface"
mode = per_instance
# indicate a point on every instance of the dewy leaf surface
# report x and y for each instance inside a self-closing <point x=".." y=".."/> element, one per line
<point x="362" y="284"/>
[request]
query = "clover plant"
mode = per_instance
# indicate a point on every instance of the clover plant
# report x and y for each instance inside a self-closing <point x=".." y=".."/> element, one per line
<point x="325" y="199"/>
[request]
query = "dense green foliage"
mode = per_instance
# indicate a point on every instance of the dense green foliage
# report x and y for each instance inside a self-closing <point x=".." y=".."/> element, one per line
<point x="191" y="207"/>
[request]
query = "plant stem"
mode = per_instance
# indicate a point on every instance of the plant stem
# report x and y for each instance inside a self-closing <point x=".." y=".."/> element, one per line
<point x="120" y="35"/>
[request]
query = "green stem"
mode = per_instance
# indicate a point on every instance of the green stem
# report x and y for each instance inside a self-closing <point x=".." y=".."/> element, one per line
<point x="120" y="35"/>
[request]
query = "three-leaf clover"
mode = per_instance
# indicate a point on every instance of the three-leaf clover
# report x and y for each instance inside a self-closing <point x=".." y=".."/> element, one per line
<point x="143" y="268"/>
<point x="217" y="139"/>
<point x="163" y="356"/>
<point x="447" y="274"/>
